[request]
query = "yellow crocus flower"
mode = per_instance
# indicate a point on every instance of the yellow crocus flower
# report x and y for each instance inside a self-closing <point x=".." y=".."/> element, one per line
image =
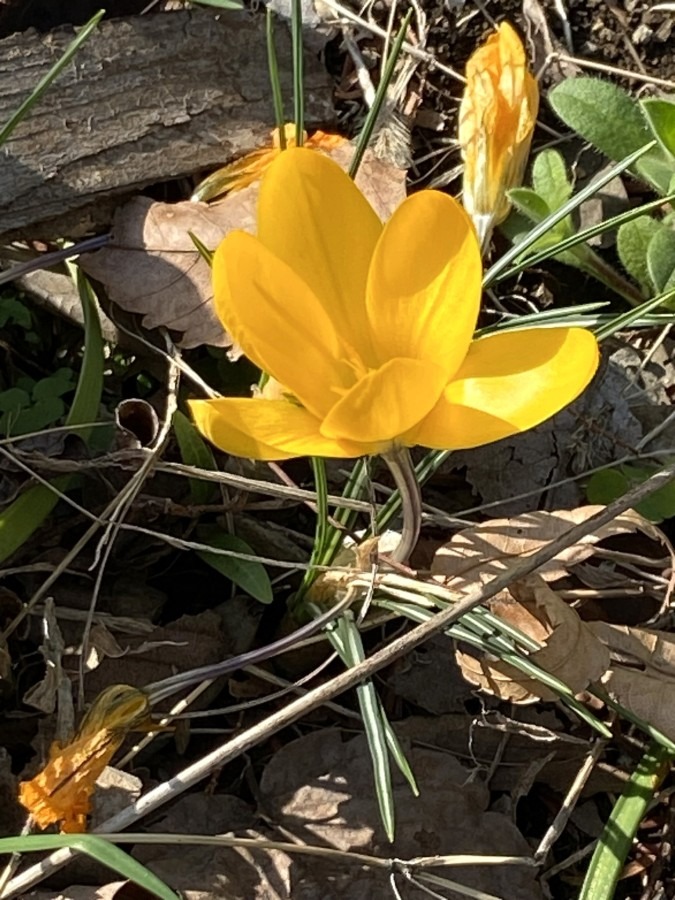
<point x="496" y="121"/>
<point x="368" y="328"/>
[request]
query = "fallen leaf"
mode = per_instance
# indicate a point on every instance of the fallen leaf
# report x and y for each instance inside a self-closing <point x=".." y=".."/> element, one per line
<point x="646" y="695"/>
<point x="188" y="642"/>
<point x="484" y="551"/>
<point x="152" y="267"/>
<point x="570" y="651"/>
<point x="319" y="789"/>
<point x="654" y="649"/>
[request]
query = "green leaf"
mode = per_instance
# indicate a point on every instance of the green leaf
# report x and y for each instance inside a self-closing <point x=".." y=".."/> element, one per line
<point x="194" y="451"/>
<point x="657" y="169"/>
<point x="14" y="399"/>
<point x="249" y="575"/>
<point x="614" y="844"/>
<point x="602" y="113"/>
<point x="529" y="203"/>
<point x="346" y="639"/>
<point x="661" y="260"/>
<point x="21" y="518"/>
<point x="38" y="416"/>
<point x="99" y="849"/>
<point x="549" y="179"/>
<point x="660" y="115"/>
<point x="13" y="310"/>
<point x="52" y="387"/>
<point x="610" y="484"/>
<point x="632" y="242"/>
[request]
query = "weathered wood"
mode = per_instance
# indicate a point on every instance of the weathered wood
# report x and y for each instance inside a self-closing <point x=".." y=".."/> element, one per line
<point x="147" y="99"/>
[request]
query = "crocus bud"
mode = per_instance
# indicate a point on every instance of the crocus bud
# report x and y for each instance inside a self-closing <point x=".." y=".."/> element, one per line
<point x="496" y="120"/>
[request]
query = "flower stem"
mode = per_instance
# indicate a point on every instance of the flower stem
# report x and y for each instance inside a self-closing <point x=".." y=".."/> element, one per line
<point x="403" y="473"/>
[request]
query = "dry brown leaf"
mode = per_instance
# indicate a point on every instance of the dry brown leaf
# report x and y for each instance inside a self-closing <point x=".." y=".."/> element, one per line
<point x="570" y="652"/>
<point x="188" y="642"/>
<point x="655" y="649"/>
<point x="483" y="551"/>
<point x="646" y="695"/>
<point x="320" y="790"/>
<point x="152" y="267"/>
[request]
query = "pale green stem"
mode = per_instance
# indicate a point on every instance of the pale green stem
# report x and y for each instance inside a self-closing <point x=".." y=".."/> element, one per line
<point x="403" y="473"/>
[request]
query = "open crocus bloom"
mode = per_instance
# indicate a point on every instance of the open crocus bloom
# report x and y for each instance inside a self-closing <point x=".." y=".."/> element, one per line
<point x="496" y="120"/>
<point x="367" y="329"/>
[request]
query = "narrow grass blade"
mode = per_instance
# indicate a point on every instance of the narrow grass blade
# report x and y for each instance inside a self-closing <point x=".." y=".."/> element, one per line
<point x="21" y="518"/>
<point x="372" y="715"/>
<point x="322" y="534"/>
<point x="559" y="214"/>
<point x="561" y="315"/>
<point x="629" y="318"/>
<point x="380" y="95"/>
<point x="46" y="81"/>
<point x="354" y="490"/>
<point x="97" y="848"/>
<point x="201" y="248"/>
<point x="275" y="80"/>
<point x="500" y="647"/>
<point x="194" y="451"/>
<point x="298" y="76"/>
<point x="617" y="836"/>
<point x="653" y="733"/>
<point x="89" y="388"/>
<point x="582" y="236"/>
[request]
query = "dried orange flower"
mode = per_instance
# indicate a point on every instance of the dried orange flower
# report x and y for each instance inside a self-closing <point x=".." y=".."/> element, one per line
<point x="496" y="120"/>
<point x="242" y="172"/>
<point x="62" y="791"/>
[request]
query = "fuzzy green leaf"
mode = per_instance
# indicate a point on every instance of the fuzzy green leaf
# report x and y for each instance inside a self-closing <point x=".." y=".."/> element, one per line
<point x="661" y="260"/>
<point x="661" y="117"/>
<point x="249" y="575"/>
<point x="656" y="168"/>
<point x="529" y="203"/>
<point x="549" y="179"/>
<point x="603" y="114"/>
<point x="632" y="241"/>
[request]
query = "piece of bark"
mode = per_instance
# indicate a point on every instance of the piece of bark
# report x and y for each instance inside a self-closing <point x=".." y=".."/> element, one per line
<point x="145" y="100"/>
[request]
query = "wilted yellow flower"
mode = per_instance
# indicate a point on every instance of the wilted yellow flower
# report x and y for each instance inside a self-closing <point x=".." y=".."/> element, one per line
<point x="496" y="120"/>
<point x="368" y="328"/>
<point x="244" y="171"/>
<point x="62" y="791"/>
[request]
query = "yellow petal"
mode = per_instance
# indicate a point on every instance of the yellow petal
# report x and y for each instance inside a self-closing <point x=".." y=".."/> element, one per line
<point x="312" y="216"/>
<point x="424" y="285"/>
<point x="386" y="403"/>
<point x="267" y="429"/>
<point x="278" y="321"/>
<point x="508" y="383"/>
